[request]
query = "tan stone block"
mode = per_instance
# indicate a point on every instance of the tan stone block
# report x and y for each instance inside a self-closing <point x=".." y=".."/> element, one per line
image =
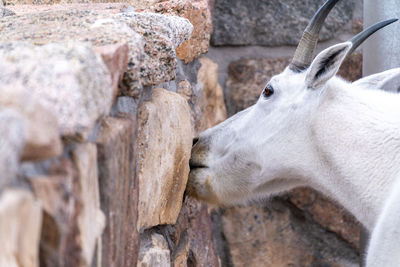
<point x="164" y="145"/>
<point x="20" y="227"/>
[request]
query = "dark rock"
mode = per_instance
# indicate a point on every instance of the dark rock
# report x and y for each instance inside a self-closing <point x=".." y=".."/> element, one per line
<point x="272" y="22"/>
<point x="118" y="191"/>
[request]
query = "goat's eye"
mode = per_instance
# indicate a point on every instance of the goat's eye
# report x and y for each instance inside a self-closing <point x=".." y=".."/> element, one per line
<point x="268" y="91"/>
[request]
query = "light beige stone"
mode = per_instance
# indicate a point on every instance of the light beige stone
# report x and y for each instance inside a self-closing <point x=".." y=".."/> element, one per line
<point x="20" y="227"/>
<point x="91" y="221"/>
<point x="164" y="144"/>
<point x="153" y="251"/>
<point x="214" y="110"/>
<point x="41" y="129"/>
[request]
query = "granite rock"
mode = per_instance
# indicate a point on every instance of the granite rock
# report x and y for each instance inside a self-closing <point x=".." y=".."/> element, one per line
<point x="272" y="23"/>
<point x="20" y="227"/>
<point x="69" y="80"/>
<point x="11" y="145"/>
<point x="152" y="56"/>
<point x="280" y="235"/>
<point x="118" y="190"/>
<point x="4" y="12"/>
<point x="162" y="35"/>
<point x="199" y="14"/>
<point x="164" y="144"/>
<point x="153" y="251"/>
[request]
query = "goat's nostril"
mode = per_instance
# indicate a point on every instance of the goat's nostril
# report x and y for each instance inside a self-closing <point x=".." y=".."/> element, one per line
<point x="195" y="140"/>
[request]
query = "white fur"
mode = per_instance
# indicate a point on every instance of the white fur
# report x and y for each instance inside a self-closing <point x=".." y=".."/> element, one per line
<point x="340" y="138"/>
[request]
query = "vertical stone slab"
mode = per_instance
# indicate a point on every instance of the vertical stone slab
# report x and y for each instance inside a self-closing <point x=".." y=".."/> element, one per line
<point x="91" y="219"/>
<point x="118" y="191"/>
<point x="164" y="144"/>
<point x="20" y="226"/>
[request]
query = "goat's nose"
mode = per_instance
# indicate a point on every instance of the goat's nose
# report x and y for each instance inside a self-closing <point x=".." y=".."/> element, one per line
<point x="195" y="140"/>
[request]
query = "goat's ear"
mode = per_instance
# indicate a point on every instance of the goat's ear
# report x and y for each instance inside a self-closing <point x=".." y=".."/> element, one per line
<point x="326" y="64"/>
<point x="380" y="80"/>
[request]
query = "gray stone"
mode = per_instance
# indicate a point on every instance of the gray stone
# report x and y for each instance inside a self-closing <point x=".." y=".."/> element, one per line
<point x="68" y="79"/>
<point x="11" y="144"/>
<point x="272" y="22"/>
<point x="153" y="251"/>
<point x="4" y="12"/>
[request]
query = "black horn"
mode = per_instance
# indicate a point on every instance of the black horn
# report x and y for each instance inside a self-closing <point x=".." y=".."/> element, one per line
<point x="362" y="36"/>
<point x="305" y="50"/>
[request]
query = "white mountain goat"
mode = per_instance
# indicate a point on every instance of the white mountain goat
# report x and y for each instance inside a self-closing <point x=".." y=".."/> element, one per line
<point x="310" y="128"/>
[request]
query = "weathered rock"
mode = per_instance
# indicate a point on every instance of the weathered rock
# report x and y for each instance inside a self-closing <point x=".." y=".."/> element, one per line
<point x="60" y="241"/>
<point x="41" y="129"/>
<point x="11" y="145"/>
<point x="248" y="77"/>
<point x="327" y="214"/>
<point x="4" y="12"/>
<point x="69" y="80"/>
<point x="214" y="110"/>
<point x="153" y="251"/>
<point x="73" y="221"/>
<point x="118" y="191"/>
<point x="272" y="23"/>
<point x="20" y="226"/>
<point x="280" y="236"/>
<point x="116" y="58"/>
<point x="199" y="14"/>
<point x="164" y="144"/>
<point x="162" y="34"/>
<point x="91" y="220"/>
<point x="192" y="236"/>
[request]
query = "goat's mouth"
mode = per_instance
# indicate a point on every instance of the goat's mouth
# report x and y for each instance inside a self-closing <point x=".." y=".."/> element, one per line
<point x="196" y="165"/>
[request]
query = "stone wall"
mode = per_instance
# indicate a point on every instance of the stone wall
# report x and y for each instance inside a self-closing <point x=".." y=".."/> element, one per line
<point x="98" y="107"/>
<point x="251" y="42"/>
<point x="99" y="104"/>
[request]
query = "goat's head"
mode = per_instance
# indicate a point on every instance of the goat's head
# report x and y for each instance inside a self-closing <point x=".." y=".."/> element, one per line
<point x="251" y="155"/>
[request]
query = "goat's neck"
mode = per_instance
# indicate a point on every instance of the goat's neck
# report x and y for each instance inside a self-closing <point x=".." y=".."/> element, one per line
<point x="356" y="144"/>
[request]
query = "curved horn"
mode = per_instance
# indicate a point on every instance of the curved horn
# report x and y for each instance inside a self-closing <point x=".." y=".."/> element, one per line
<point x="305" y="50"/>
<point x="362" y="36"/>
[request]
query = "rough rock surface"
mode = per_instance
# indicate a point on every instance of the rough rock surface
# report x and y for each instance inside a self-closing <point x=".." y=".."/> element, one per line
<point x="199" y="14"/>
<point x="280" y="235"/>
<point x="41" y="130"/>
<point x="6" y="12"/>
<point x="272" y="23"/>
<point x="20" y="227"/>
<point x="329" y="215"/>
<point x="11" y="145"/>
<point x="153" y="251"/>
<point x="164" y="144"/>
<point x="161" y="35"/>
<point x="71" y="81"/>
<point x="118" y="190"/>
<point x="351" y="69"/>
